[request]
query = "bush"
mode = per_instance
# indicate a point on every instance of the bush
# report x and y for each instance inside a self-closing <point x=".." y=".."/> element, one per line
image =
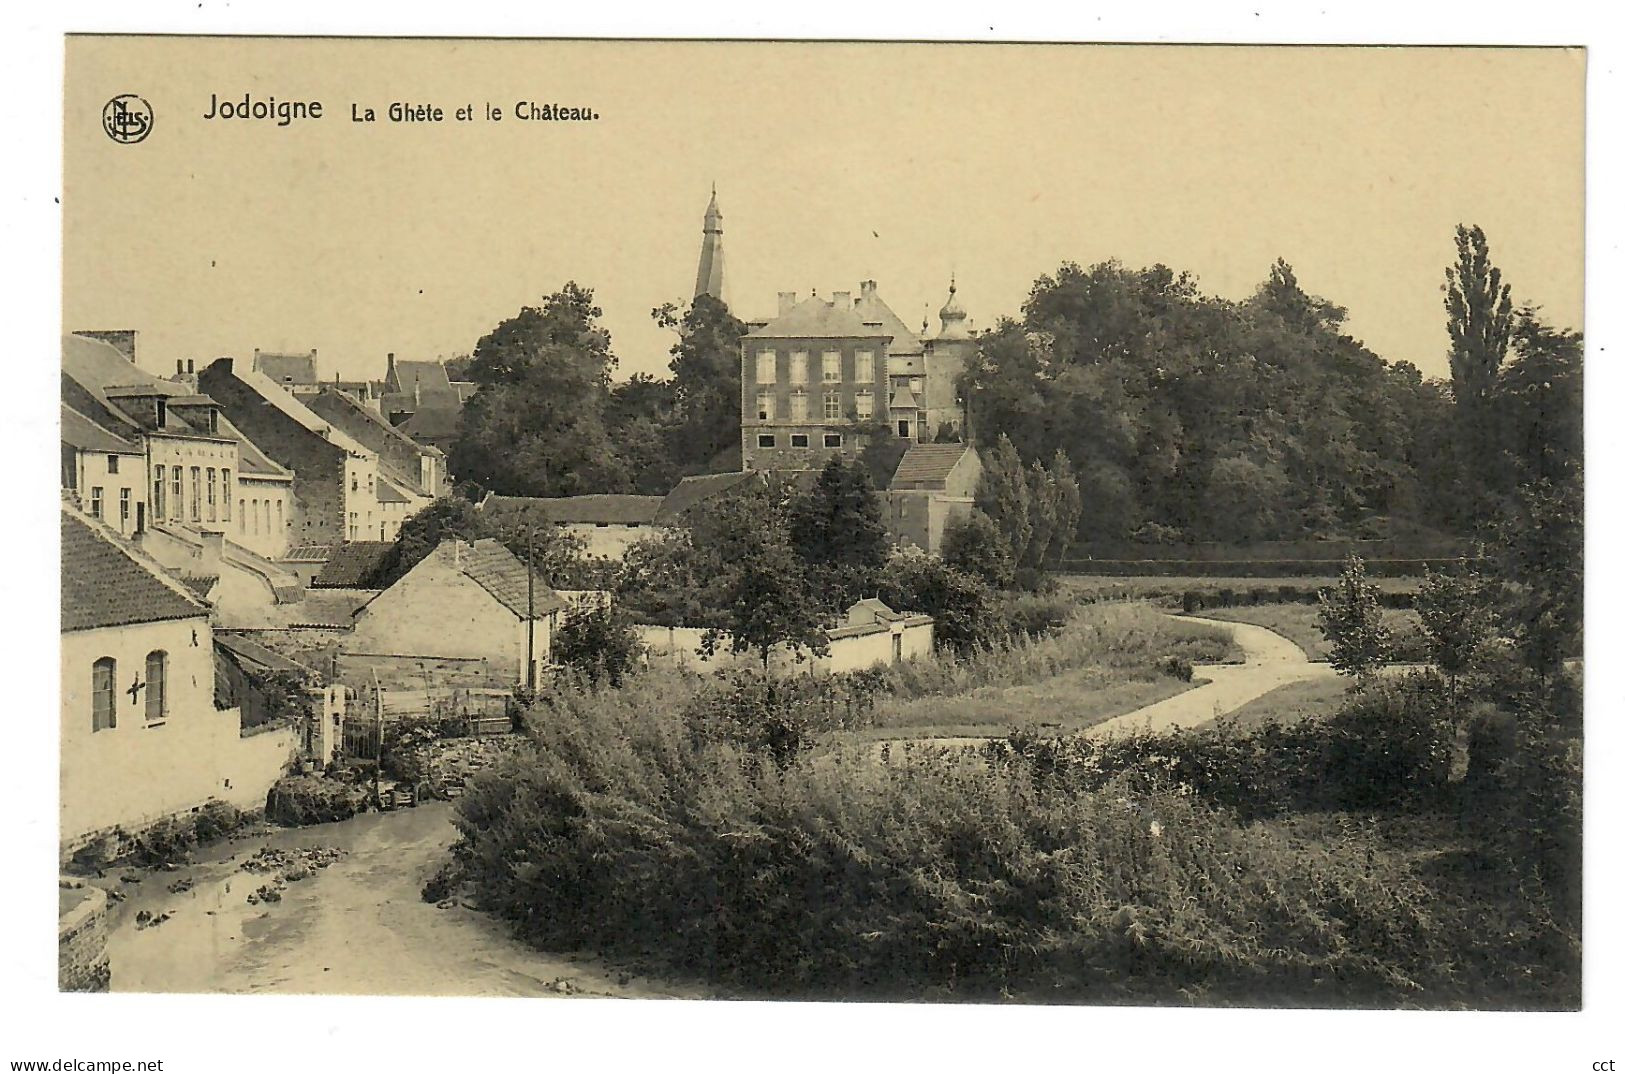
<point x="598" y="641"/>
<point x="926" y="875"/>
<point x="294" y="801"/>
<point x="1177" y="667"/>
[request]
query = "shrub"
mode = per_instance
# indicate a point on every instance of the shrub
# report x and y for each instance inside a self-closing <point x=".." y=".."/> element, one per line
<point x="1177" y="667"/>
<point x="1192" y="601"/>
<point x="926" y="875"/>
<point x="599" y="641"/>
<point x="294" y="801"/>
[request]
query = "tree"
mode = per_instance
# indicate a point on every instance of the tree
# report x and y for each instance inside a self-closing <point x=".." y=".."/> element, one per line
<point x="763" y="602"/>
<point x="597" y="639"/>
<point x="917" y="582"/>
<point x="556" y="553"/>
<point x="705" y="378"/>
<point x="1242" y="499"/>
<point x="1005" y="496"/>
<point x="1458" y="620"/>
<point x="973" y="545"/>
<point x="537" y="427"/>
<point x="837" y="530"/>
<point x="1351" y="619"/>
<point x="1478" y="307"/>
<point x="1068" y="506"/>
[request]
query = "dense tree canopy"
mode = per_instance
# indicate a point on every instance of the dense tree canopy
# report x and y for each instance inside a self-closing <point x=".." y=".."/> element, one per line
<point x="1190" y="417"/>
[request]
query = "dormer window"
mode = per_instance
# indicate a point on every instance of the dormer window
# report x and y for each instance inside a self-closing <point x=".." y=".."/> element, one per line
<point x="163" y="413"/>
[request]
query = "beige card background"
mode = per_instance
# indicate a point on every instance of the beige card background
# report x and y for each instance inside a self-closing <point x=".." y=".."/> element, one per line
<point x="834" y="162"/>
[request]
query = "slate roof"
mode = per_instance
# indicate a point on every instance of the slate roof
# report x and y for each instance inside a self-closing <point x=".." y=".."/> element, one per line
<point x="871" y="308"/>
<point x="286" y="368"/>
<point x="502" y="574"/>
<point x="80" y="432"/>
<point x="928" y="463"/>
<point x="813" y="318"/>
<point x="430" y="376"/>
<point x="90" y="366"/>
<point x="697" y="489"/>
<point x="107" y="582"/>
<point x="351" y="565"/>
<point x="609" y="509"/>
<point x="389" y="488"/>
<point x="903" y="399"/>
<point x="434" y="423"/>
<point x="283" y="400"/>
<point x="251" y="461"/>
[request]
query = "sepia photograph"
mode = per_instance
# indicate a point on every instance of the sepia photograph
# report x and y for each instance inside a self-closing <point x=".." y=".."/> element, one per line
<point x="1004" y="524"/>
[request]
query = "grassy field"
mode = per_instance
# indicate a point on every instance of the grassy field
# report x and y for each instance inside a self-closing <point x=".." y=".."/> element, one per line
<point x="1163" y="590"/>
<point x="1308" y="700"/>
<point x="1298" y="623"/>
<point x="1107" y="661"/>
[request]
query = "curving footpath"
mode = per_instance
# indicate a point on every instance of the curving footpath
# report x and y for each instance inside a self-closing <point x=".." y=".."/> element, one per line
<point x="1268" y="661"/>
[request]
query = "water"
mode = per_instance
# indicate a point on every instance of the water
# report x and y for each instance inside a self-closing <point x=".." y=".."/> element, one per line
<point x="360" y="926"/>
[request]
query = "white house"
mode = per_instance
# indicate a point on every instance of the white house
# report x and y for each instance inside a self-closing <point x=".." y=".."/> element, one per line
<point x="141" y="736"/>
<point x="465" y="602"/>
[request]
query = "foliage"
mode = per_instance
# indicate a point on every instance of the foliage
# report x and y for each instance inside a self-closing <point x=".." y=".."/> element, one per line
<point x="557" y="553"/>
<point x="1458" y="620"/>
<point x="295" y="801"/>
<point x="780" y="716"/>
<point x="916" y="582"/>
<point x="173" y="838"/>
<point x="597" y="639"/>
<point x="705" y="380"/>
<point x="1351" y="619"/>
<point x="1170" y="400"/>
<point x="837" y="531"/>
<point x="973" y="545"/>
<point x="1478" y="307"/>
<point x="1005" y="496"/>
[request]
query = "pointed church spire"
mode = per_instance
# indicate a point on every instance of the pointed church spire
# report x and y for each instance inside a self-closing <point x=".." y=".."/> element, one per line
<point x="709" y="279"/>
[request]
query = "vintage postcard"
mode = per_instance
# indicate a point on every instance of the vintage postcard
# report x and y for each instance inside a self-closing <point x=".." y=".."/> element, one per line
<point x="931" y="523"/>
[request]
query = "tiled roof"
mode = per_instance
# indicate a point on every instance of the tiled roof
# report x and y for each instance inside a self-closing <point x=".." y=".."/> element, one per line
<point x="814" y="318"/>
<point x="871" y="610"/>
<point x="286" y="368"/>
<point x="80" y="432"/>
<point x="502" y="574"/>
<point x="309" y="553"/>
<point x="283" y="400"/>
<point x="352" y="565"/>
<point x="697" y="489"/>
<point x="609" y="509"/>
<point x="928" y="463"/>
<point x="427" y="375"/>
<point x="107" y="582"/>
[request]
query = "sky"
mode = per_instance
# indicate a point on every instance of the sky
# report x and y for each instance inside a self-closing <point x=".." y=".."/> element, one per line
<point x="833" y="163"/>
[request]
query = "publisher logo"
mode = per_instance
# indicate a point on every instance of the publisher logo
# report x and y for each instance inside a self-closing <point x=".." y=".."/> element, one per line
<point x="127" y="118"/>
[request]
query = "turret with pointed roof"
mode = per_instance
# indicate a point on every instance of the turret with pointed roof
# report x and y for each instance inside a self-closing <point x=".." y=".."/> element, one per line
<point x="708" y="281"/>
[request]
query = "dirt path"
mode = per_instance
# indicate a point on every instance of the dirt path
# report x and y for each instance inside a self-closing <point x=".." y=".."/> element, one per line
<point x="1268" y="661"/>
<point x="360" y="926"/>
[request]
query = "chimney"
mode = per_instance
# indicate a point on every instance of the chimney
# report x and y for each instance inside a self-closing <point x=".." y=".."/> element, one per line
<point x="867" y="287"/>
<point x="180" y="367"/>
<point x="189" y="368"/>
<point x="843" y="300"/>
<point x="391" y="364"/>
<point x="787" y="300"/>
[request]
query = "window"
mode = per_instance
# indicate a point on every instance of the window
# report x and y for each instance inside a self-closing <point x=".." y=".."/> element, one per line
<point x="798" y="406"/>
<point x="225" y="495"/>
<point x="242" y="516"/>
<point x="103" y="694"/>
<point x="916" y="385"/>
<point x="866" y="403"/>
<point x="157" y="492"/>
<point x="832" y="406"/>
<point x="211" y="494"/>
<point x="355" y="483"/>
<point x="764" y="406"/>
<point x="112" y="464"/>
<point x="279" y="524"/>
<point x="832" y="439"/>
<point x="163" y="413"/>
<point x="95" y="501"/>
<point x="123" y="508"/>
<point x="352" y="525"/>
<point x="197" y="494"/>
<point x="256" y="504"/>
<point x="798" y="367"/>
<point x="866" y="367"/>
<point x="157" y="685"/>
<point x="832" y="366"/>
<point x="767" y="364"/>
<point x="765" y="440"/>
<point x="902" y="429"/>
<point x="175" y="494"/>
<point x="798" y="440"/>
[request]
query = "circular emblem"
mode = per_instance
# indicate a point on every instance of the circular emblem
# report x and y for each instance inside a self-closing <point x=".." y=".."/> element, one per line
<point x="127" y="118"/>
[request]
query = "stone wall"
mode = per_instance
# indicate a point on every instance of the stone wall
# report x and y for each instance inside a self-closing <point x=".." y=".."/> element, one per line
<point x="81" y="938"/>
<point x="850" y="648"/>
